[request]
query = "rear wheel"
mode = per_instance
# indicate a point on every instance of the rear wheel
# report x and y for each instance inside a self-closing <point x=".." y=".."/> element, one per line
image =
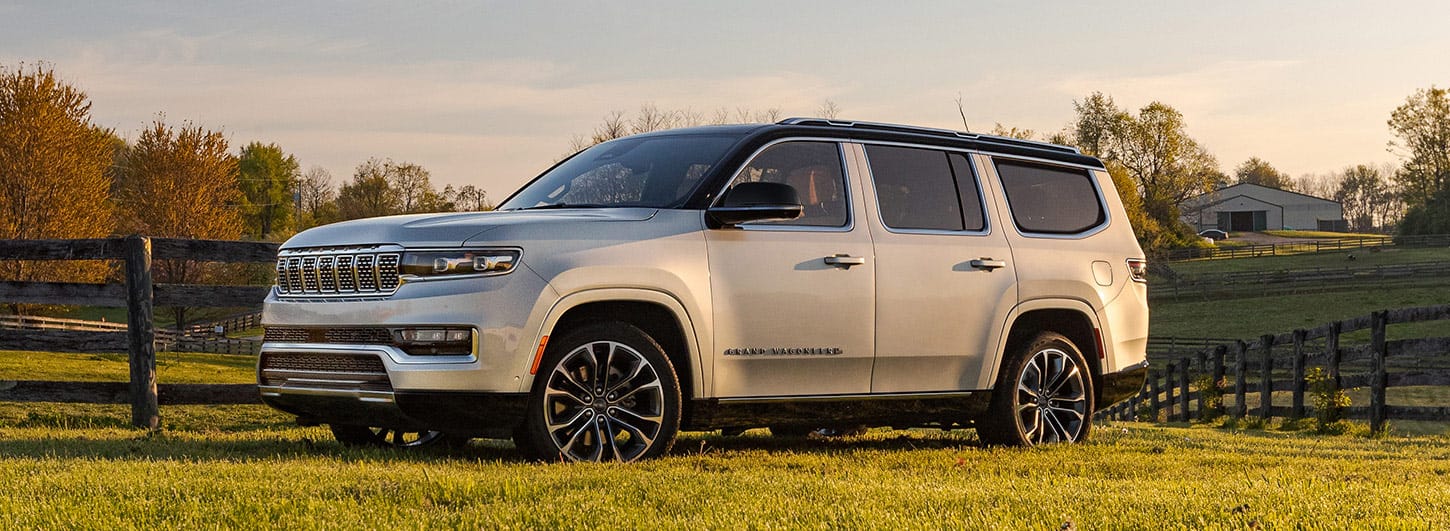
<point x="397" y="438"/>
<point x="604" y="392"/>
<point x="1044" y="394"/>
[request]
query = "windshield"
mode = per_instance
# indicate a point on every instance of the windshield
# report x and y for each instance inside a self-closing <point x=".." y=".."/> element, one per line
<point x="653" y="171"/>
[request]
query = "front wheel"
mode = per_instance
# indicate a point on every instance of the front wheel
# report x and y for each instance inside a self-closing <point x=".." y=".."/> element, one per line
<point x="1044" y="394"/>
<point x="604" y="392"/>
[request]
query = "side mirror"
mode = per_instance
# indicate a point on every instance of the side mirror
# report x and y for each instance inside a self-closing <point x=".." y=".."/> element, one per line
<point x="760" y="201"/>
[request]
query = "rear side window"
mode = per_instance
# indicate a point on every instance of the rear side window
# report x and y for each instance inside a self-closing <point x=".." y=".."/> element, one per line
<point x="1048" y="199"/>
<point x="924" y="189"/>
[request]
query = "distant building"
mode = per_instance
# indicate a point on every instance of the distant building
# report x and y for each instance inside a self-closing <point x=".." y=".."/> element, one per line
<point x="1250" y="207"/>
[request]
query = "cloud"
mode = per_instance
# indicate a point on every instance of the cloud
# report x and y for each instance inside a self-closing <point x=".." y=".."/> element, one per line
<point x="1227" y="86"/>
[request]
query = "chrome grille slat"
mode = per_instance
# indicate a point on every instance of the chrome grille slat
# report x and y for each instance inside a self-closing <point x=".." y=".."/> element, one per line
<point x="339" y="271"/>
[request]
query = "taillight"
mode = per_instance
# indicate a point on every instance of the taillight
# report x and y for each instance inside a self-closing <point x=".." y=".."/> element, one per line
<point x="1138" y="269"/>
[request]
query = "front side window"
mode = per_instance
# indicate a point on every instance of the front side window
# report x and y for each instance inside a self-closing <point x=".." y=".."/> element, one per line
<point x="651" y="171"/>
<point x="814" y="170"/>
<point x="1050" y="199"/>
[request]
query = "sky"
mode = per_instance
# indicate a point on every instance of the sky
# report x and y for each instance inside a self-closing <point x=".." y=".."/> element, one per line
<point x="490" y="93"/>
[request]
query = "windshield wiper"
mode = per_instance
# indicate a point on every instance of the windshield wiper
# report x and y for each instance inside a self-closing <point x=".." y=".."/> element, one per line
<point x="562" y="205"/>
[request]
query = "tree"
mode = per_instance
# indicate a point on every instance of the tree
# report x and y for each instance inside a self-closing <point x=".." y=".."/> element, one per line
<point x="1260" y="172"/>
<point x="384" y="188"/>
<point x="1154" y="150"/>
<point x="268" y="177"/>
<point x="468" y="198"/>
<point x="181" y="182"/>
<point x="1422" y="126"/>
<point x="829" y="110"/>
<point x="1366" y="197"/>
<point x="54" y="172"/>
<point x="315" y="198"/>
<point x="1013" y="132"/>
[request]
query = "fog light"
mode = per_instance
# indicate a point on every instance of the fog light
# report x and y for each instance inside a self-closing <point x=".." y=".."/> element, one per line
<point x="435" y="341"/>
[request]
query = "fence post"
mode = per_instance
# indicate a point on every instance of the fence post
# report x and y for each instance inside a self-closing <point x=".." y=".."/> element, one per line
<point x="1219" y="354"/>
<point x="1154" y="390"/>
<point x="1168" y="415"/>
<point x="1183" y="395"/>
<point x="1266" y="379"/>
<point x="1378" y="377"/>
<point x="140" y="334"/>
<point x="1241" y="369"/>
<point x="1331" y="345"/>
<point x="1296" y="410"/>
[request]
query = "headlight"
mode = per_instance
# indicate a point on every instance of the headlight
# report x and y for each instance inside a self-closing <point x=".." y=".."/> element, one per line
<point x="436" y="264"/>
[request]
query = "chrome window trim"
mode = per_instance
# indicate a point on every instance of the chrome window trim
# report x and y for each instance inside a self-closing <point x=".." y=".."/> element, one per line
<point x="1092" y="179"/>
<point x="846" y="182"/>
<point x="976" y="178"/>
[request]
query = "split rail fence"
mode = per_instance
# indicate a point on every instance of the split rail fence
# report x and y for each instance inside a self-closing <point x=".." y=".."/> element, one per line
<point x="1243" y="370"/>
<point x="139" y="295"/>
<point x="1314" y="246"/>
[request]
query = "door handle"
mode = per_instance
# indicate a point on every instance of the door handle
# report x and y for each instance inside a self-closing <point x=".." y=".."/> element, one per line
<point x="988" y="263"/>
<point x="845" y="261"/>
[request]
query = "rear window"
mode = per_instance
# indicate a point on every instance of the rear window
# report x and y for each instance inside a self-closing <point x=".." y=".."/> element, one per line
<point x="1049" y="199"/>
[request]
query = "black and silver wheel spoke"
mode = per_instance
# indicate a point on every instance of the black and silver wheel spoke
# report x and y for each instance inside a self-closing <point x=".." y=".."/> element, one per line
<point x="1051" y="405"/>
<point x="603" y="401"/>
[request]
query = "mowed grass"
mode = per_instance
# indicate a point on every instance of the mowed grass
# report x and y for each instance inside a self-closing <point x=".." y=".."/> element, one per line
<point x="171" y="367"/>
<point x="1250" y="317"/>
<point x="202" y="473"/>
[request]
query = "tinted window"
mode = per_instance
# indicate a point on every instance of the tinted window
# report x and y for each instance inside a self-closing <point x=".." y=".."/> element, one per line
<point x="814" y="170"/>
<point x="652" y="171"/>
<point x="915" y="188"/>
<point x="970" y="193"/>
<point x="1050" y="199"/>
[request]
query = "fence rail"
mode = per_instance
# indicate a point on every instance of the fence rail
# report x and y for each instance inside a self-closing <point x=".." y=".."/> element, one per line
<point x="1280" y="362"/>
<point x="139" y="295"/>
<point x="1315" y="246"/>
<point x="1258" y="283"/>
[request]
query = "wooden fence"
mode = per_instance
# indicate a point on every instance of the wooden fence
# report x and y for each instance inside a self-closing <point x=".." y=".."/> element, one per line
<point x="1272" y="363"/>
<point x="1259" y="283"/>
<point x="1315" y="246"/>
<point x="139" y="296"/>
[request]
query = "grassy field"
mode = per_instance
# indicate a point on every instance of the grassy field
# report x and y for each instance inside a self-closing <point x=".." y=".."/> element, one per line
<point x="1253" y="316"/>
<point x="171" y="367"/>
<point x="242" y="466"/>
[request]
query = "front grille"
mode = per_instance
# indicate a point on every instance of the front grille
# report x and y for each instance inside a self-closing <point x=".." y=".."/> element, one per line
<point x="341" y="336"/>
<point x="338" y="272"/>
<point x="305" y="370"/>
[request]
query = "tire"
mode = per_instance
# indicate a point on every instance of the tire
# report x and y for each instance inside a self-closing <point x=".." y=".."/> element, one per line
<point x="628" y="412"/>
<point x="397" y="438"/>
<point x="1043" y="395"/>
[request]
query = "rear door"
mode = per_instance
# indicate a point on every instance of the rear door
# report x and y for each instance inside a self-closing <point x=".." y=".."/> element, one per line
<point x="945" y="278"/>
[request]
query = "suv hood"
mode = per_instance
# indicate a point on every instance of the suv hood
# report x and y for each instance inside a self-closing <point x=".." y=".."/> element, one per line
<point x="450" y="229"/>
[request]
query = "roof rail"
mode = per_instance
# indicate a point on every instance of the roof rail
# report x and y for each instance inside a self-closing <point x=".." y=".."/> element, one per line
<point x="878" y="126"/>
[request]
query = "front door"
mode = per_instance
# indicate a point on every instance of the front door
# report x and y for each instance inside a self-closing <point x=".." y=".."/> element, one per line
<point x="793" y="301"/>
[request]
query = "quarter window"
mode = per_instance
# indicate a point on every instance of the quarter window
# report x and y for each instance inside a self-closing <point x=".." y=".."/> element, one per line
<point x="1052" y="200"/>
<point x="814" y="170"/>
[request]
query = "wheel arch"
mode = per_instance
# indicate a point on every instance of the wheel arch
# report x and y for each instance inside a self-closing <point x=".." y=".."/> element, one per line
<point x="1074" y="319"/>
<point x="658" y="314"/>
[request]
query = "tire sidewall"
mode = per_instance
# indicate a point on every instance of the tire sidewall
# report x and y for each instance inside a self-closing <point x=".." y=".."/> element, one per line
<point x="1002" y="425"/>
<point x="533" y="437"/>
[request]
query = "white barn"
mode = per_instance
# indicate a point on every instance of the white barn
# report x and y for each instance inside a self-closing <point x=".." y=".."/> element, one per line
<point x="1250" y="207"/>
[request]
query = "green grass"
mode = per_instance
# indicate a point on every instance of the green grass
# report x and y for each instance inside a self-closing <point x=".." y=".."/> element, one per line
<point x="202" y="474"/>
<point x="171" y="367"/>
<point x="1335" y="259"/>
<point x="1251" y="317"/>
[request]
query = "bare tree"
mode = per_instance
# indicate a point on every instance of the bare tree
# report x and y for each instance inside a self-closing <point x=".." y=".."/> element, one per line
<point x="962" y="111"/>
<point x="829" y="110"/>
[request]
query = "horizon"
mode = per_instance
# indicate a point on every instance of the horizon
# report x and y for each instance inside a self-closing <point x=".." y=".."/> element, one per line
<point x="490" y="95"/>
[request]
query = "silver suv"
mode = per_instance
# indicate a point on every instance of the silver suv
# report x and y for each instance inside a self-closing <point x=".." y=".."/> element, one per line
<point x="800" y="275"/>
